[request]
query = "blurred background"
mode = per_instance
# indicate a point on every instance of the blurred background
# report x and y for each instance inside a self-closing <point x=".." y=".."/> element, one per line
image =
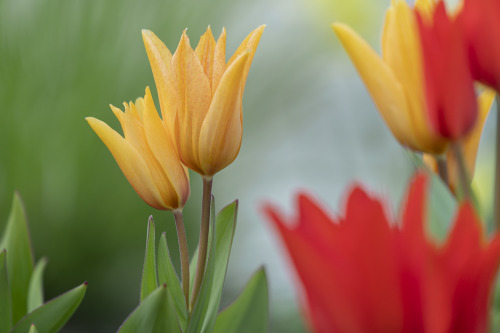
<point x="308" y="124"/>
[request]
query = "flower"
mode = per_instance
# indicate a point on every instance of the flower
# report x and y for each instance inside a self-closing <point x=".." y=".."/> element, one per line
<point x="469" y="144"/>
<point x="481" y="27"/>
<point x="396" y="80"/>
<point x="146" y="155"/>
<point x="201" y="96"/>
<point x="449" y="88"/>
<point x="365" y="273"/>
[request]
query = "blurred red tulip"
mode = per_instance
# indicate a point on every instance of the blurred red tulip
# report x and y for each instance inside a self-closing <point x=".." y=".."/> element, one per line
<point x="450" y="95"/>
<point x="481" y="25"/>
<point x="364" y="273"/>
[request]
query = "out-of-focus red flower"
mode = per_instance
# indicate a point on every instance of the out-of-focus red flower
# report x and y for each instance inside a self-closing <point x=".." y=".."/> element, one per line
<point x="481" y="26"/>
<point x="450" y="95"/>
<point x="364" y="273"/>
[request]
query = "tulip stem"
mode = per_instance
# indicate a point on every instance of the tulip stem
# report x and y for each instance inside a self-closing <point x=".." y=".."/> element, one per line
<point x="463" y="176"/>
<point x="184" y="253"/>
<point x="203" y="245"/>
<point x="496" y="203"/>
<point x="442" y="166"/>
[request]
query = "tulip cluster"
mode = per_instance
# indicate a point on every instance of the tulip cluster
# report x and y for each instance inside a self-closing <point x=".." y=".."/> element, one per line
<point x="365" y="272"/>
<point x="201" y="129"/>
<point x="423" y="85"/>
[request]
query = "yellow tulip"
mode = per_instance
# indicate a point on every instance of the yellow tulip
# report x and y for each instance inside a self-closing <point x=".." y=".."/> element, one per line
<point x="469" y="144"/>
<point x="396" y="80"/>
<point x="201" y="96"/>
<point x="146" y="155"/>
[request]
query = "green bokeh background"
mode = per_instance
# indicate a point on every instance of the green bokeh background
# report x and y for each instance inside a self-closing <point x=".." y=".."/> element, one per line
<point x="308" y="123"/>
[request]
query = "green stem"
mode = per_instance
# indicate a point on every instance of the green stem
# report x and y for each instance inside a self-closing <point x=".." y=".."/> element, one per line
<point x="496" y="203"/>
<point x="184" y="253"/>
<point x="463" y="176"/>
<point x="204" y="230"/>
<point x="443" y="169"/>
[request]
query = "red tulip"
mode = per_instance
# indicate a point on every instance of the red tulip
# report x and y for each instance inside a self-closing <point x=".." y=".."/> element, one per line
<point x="365" y="273"/>
<point x="450" y="95"/>
<point x="481" y="26"/>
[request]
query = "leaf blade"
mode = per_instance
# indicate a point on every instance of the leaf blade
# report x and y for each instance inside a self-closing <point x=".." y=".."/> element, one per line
<point x="35" y="289"/>
<point x="249" y="313"/>
<point x="149" y="282"/>
<point x="51" y="317"/>
<point x="16" y="241"/>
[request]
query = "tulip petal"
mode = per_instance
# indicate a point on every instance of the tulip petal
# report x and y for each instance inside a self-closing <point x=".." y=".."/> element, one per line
<point x="387" y="93"/>
<point x="402" y="52"/>
<point x="194" y="101"/>
<point x="222" y="130"/>
<point x="205" y="51"/>
<point x="164" y="151"/>
<point x="130" y="162"/>
<point x="160" y="59"/>
<point x="249" y="43"/>
<point x="219" y="60"/>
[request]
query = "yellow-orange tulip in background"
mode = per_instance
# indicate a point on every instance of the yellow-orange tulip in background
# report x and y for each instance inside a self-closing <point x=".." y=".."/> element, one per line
<point x="146" y="154"/>
<point x="396" y="80"/>
<point x="201" y="96"/>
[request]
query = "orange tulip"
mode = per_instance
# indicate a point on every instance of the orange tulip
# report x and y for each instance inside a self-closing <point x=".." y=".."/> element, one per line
<point x="201" y="96"/>
<point x="146" y="155"/>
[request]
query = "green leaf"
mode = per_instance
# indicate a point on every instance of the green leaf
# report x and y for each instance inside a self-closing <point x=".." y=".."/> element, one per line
<point x="51" y="317"/>
<point x="167" y="275"/>
<point x="5" y="300"/>
<point x="20" y="258"/>
<point x="35" y="290"/>
<point x="149" y="282"/>
<point x="225" y="225"/>
<point x="198" y="315"/>
<point x="249" y="313"/>
<point x="441" y="207"/>
<point x="155" y="314"/>
<point x="33" y="329"/>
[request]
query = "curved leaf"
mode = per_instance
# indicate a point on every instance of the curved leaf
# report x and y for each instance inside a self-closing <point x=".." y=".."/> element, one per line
<point x="155" y="314"/>
<point x="149" y="281"/>
<point x="16" y="241"/>
<point x="5" y="301"/>
<point x="167" y="275"/>
<point x="50" y="317"/>
<point x="35" y="290"/>
<point x="249" y="313"/>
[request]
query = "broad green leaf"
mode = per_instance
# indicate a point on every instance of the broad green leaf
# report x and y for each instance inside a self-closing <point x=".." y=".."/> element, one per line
<point x="149" y="282"/>
<point x="192" y="268"/>
<point x="225" y="226"/>
<point x="35" y="290"/>
<point x="5" y="301"/>
<point x="167" y="275"/>
<point x="249" y="313"/>
<point x="198" y="315"/>
<point x="51" y="317"/>
<point x="33" y="329"/>
<point x="16" y="241"/>
<point x="156" y="314"/>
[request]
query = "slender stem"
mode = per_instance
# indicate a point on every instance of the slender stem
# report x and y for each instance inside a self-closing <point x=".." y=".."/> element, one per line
<point x="443" y="169"/>
<point x="204" y="229"/>
<point x="184" y="252"/>
<point x="496" y="203"/>
<point x="463" y="176"/>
